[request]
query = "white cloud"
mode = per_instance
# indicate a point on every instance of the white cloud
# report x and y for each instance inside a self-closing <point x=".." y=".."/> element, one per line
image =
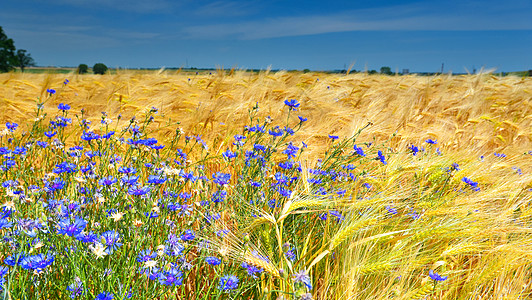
<point x="407" y="17"/>
<point x="225" y="9"/>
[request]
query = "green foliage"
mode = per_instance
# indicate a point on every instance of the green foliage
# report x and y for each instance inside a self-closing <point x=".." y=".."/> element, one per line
<point x="99" y="68"/>
<point x="24" y="59"/>
<point x="7" y="52"/>
<point x="386" y="70"/>
<point x="83" y="68"/>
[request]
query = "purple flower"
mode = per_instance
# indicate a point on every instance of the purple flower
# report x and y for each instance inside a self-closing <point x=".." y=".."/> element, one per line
<point x="146" y="255"/>
<point x="414" y="149"/>
<point x="252" y="270"/>
<point x="213" y="261"/>
<point x="359" y="150"/>
<point x="63" y="107"/>
<point x="188" y="235"/>
<point x="138" y="190"/>
<point x="292" y="104"/>
<point x="171" y="277"/>
<point x="228" y="282"/>
<point x="76" y="288"/>
<point x="303" y="277"/>
<point x="11" y="126"/>
<point x="381" y="157"/>
<point x="36" y="262"/>
<point x="472" y="184"/>
<point x="435" y="276"/>
<point x="110" y="240"/>
<point x="105" y="296"/>
<point x="221" y="178"/>
<point x="50" y="134"/>
<point x="71" y="229"/>
<point x="107" y="181"/>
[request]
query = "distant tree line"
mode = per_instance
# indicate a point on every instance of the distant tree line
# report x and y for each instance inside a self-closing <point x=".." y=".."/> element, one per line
<point x="98" y="68"/>
<point x="10" y="57"/>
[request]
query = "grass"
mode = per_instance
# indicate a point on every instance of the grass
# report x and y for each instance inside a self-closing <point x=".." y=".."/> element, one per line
<point x="441" y="182"/>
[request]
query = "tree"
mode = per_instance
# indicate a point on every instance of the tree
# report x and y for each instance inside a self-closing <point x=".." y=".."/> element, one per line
<point x="7" y="52"/>
<point x="99" y="68"/>
<point x="24" y="59"/>
<point x="386" y="70"/>
<point x="83" y="68"/>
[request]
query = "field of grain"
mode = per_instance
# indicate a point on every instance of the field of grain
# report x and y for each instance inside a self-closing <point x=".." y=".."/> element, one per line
<point x="391" y="187"/>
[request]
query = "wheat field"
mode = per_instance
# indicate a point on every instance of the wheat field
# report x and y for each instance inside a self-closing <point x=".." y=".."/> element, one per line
<point x="459" y="205"/>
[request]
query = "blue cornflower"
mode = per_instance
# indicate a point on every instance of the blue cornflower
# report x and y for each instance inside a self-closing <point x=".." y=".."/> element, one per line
<point x="11" y="126"/>
<point x="251" y="269"/>
<point x="188" y="235"/>
<point x="472" y="184"/>
<point x="129" y="180"/>
<point x="107" y="181"/>
<point x="151" y="215"/>
<point x="301" y="119"/>
<point x="290" y="254"/>
<point x="291" y="151"/>
<point x="221" y="178"/>
<point x="436" y="277"/>
<point x="71" y="229"/>
<point x="333" y="137"/>
<point x="303" y="277"/>
<point x="55" y="185"/>
<point x="155" y="179"/>
<point x="127" y="170"/>
<point x="146" y="255"/>
<point x="36" y="262"/>
<point x="219" y="196"/>
<point x="256" y="128"/>
<point x="228" y="282"/>
<point x="171" y="277"/>
<point x="41" y="144"/>
<point x="89" y="237"/>
<point x="50" y="134"/>
<point x="287" y="165"/>
<point x="66" y="81"/>
<point x="89" y="136"/>
<point x="4" y="223"/>
<point x="239" y="140"/>
<point x="105" y="296"/>
<point x="292" y="104"/>
<point x="8" y="164"/>
<point x="430" y="141"/>
<point x="499" y="155"/>
<point x="381" y="157"/>
<point x="391" y="209"/>
<point x="138" y="190"/>
<point x="63" y="107"/>
<point x="110" y="239"/>
<point x="289" y="130"/>
<point x="50" y="91"/>
<point x="3" y="272"/>
<point x="414" y="149"/>
<point x="228" y="154"/>
<point x="76" y="288"/>
<point x="359" y="150"/>
<point x="276" y="132"/>
<point x="213" y="261"/>
<point x="65" y="167"/>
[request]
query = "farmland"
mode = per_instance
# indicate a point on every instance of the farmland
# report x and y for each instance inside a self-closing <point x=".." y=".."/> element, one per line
<point x="238" y="185"/>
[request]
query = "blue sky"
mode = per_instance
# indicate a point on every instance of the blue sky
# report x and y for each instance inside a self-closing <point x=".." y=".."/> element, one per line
<point x="319" y="35"/>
